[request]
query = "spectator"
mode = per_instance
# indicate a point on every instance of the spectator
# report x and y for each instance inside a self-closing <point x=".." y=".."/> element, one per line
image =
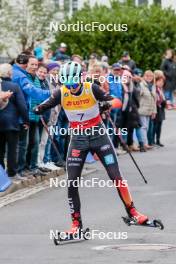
<point x="126" y="60"/>
<point x="38" y="51"/>
<point x="168" y="66"/>
<point x="19" y="77"/>
<point x="60" y="54"/>
<point x="137" y="78"/>
<point x="104" y="58"/>
<point x="92" y="61"/>
<point x="130" y="115"/>
<point x="104" y="64"/>
<point x="113" y="86"/>
<point x="9" y="121"/>
<point x="48" y="55"/>
<point x="147" y="109"/>
<point x="57" y="118"/>
<point x="42" y="73"/>
<point x="33" y="143"/>
<point x="50" y="117"/>
<point x="77" y="58"/>
<point x="96" y="75"/>
<point x="161" y="104"/>
<point x="53" y="74"/>
<point x="4" y="96"/>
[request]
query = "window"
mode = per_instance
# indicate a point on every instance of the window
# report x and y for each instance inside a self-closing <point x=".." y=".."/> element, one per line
<point x="74" y="5"/>
<point x="157" y="2"/>
<point x="141" y="2"/>
<point x="66" y="5"/>
<point x="56" y="3"/>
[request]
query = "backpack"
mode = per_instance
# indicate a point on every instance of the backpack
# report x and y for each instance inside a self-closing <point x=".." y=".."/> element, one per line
<point x="5" y="181"/>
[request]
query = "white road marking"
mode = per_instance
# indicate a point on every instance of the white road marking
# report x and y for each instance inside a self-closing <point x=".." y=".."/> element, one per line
<point x="134" y="247"/>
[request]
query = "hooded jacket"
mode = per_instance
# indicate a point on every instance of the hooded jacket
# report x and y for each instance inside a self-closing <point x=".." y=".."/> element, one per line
<point x="147" y="99"/>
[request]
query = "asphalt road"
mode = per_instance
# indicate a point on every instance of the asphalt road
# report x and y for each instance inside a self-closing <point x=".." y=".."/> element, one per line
<point x="25" y="225"/>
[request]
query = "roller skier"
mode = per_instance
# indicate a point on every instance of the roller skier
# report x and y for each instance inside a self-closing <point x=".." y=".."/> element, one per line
<point x="80" y="103"/>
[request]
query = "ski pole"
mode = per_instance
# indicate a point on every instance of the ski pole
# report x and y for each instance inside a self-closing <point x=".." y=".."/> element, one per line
<point x="126" y="148"/>
<point x="50" y="137"/>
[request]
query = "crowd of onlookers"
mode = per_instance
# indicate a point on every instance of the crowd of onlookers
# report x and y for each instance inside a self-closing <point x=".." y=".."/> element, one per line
<point x="33" y="76"/>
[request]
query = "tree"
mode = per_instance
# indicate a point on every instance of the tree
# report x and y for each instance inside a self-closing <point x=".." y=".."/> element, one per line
<point x="25" y="22"/>
<point x="151" y="30"/>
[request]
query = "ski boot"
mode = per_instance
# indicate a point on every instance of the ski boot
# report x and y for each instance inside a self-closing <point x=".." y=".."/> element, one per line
<point x="76" y="233"/>
<point x="136" y="218"/>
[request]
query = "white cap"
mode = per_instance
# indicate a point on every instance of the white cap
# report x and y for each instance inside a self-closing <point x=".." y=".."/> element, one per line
<point x="63" y="45"/>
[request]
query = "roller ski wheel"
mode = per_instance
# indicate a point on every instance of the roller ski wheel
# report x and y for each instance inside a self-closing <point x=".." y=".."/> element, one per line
<point x="156" y="223"/>
<point x="64" y="237"/>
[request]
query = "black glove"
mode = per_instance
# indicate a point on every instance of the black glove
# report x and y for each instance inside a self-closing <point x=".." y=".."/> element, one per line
<point x="37" y="110"/>
<point x="104" y="106"/>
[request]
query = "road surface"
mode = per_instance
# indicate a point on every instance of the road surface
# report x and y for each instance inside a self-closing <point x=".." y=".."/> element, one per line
<point x="26" y="225"/>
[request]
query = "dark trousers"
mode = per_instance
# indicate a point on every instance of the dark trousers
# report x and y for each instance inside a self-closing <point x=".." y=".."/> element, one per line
<point x="33" y="146"/>
<point x="59" y="139"/>
<point x="150" y="132"/>
<point x="157" y="131"/>
<point x="116" y="116"/>
<point x="130" y="136"/>
<point x="22" y="150"/>
<point x="9" y="141"/>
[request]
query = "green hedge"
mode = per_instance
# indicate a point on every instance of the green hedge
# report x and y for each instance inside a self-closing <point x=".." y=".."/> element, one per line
<point x="151" y="30"/>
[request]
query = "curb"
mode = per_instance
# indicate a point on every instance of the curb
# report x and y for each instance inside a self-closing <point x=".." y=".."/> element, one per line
<point x="17" y="185"/>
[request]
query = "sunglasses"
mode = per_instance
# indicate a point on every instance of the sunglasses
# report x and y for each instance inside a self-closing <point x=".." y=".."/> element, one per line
<point x="74" y="86"/>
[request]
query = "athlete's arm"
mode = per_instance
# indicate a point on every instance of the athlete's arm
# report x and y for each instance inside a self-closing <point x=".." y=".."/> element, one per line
<point x="106" y="100"/>
<point x="99" y="94"/>
<point x="54" y="100"/>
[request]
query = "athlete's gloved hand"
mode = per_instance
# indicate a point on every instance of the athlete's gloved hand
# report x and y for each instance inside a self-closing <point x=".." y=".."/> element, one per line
<point x="37" y="110"/>
<point x="104" y="106"/>
<point x="116" y="103"/>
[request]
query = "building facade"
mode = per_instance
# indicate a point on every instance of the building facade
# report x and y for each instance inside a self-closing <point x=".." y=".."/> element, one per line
<point x="73" y="5"/>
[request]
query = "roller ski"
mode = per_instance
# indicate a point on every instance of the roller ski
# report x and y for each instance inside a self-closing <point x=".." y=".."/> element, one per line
<point x="77" y="233"/>
<point x="66" y="237"/>
<point x="138" y="219"/>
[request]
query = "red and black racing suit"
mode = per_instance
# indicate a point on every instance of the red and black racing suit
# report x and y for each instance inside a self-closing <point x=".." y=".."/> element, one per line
<point x="78" y="149"/>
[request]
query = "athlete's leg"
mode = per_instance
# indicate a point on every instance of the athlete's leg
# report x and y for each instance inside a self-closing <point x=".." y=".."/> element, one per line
<point x="106" y="153"/>
<point x="77" y="153"/>
<point x="107" y="156"/>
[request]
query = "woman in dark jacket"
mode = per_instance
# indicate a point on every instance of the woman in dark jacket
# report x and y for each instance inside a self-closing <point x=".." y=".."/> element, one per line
<point x="9" y="120"/>
<point x="130" y="116"/>
<point x="168" y="66"/>
<point x="4" y="96"/>
<point x="161" y="104"/>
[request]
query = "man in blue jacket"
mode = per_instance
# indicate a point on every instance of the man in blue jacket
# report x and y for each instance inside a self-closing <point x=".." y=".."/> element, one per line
<point x="20" y="76"/>
<point x="115" y="89"/>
